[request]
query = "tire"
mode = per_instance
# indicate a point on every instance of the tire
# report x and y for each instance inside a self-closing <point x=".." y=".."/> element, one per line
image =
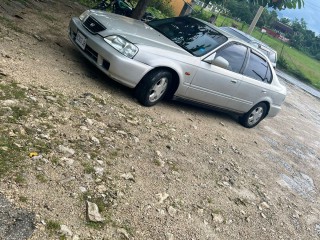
<point x="254" y="115"/>
<point x="153" y="87"/>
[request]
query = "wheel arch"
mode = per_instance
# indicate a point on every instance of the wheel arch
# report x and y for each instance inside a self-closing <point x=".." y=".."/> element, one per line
<point x="175" y="79"/>
<point x="268" y="106"/>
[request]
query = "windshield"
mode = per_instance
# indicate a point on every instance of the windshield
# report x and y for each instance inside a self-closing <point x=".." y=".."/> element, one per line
<point x="190" y="34"/>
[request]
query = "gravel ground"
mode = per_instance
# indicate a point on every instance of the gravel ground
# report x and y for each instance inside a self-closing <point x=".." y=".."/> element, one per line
<point x="172" y="171"/>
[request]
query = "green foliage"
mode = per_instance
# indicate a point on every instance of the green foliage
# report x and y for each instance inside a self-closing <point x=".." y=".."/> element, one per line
<point x="282" y="62"/>
<point x="317" y="56"/>
<point x="52" y="226"/>
<point x="279" y="4"/>
<point x="201" y="13"/>
<point x="89" y="3"/>
<point x="164" y="6"/>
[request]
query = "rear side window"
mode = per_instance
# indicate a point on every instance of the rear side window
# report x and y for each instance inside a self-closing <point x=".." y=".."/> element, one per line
<point x="235" y="54"/>
<point x="258" y="68"/>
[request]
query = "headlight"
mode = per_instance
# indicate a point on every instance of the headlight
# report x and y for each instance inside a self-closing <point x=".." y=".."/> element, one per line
<point x="122" y="45"/>
<point x="84" y="15"/>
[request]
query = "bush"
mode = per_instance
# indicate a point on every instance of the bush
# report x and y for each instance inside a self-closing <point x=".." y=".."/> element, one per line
<point x="163" y="6"/>
<point x="282" y="62"/>
<point x="201" y="13"/>
<point x="317" y="56"/>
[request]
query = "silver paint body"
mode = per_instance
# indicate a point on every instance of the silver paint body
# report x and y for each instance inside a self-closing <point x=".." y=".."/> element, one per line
<point x="199" y="81"/>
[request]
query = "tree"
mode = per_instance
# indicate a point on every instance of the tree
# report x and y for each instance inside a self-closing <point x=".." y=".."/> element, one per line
<point x="275" y="4"/>
<point x="279" y="4"/>
<point x="140" y="9"/>
<point x="285" y="21"/>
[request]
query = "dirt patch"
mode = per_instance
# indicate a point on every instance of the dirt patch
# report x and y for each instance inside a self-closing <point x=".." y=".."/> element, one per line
<point x="172" y="171"/>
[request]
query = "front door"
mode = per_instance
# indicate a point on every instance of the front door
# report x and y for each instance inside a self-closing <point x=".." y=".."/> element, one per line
<point x="217" y="86"/>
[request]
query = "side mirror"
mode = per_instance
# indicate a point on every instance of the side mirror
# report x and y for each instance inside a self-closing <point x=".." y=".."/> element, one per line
<point x="220" y="62"/>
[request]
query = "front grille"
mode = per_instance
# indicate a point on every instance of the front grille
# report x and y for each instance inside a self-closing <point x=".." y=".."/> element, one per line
<point x="93" y="25"/>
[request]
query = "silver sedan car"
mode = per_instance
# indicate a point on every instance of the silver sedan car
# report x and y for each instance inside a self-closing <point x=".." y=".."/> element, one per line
<point x="181" y="58"/>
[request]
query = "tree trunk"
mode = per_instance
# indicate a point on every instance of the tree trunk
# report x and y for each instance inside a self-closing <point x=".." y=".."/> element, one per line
<point x="140" y="9"/>
<point x="255" y="20"/>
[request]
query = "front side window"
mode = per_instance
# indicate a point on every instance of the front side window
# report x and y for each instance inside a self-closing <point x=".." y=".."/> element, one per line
<point x="235" y="54"/>
<point x="258" y="68"/>
<point x="192" y="35"/>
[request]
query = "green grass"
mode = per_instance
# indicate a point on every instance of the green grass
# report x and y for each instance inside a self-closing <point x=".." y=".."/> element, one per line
<point x="12" y="91"/>
<point x="11" y="155"/>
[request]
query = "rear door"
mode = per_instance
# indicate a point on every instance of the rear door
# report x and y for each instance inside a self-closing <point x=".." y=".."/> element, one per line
<point x="256" y="83"/>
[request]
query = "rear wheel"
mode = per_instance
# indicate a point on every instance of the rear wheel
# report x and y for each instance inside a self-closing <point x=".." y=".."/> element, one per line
<point x="254" y="115"/>
<point x="153" y="87"/>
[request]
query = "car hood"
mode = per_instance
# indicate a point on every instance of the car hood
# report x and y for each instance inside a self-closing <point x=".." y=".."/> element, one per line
<point x="135" y="31"/>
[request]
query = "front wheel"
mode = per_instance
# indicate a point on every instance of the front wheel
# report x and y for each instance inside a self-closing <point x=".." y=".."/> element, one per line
<point x="254" y="115"/>
<point x="153" y="87"/>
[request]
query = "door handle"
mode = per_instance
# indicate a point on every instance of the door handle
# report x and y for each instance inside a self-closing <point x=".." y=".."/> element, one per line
<point x="264" y="91"/>
<point x="234" y="81"/>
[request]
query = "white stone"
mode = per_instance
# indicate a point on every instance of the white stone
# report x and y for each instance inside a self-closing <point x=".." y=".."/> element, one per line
<point x="93" y="212"/>
<point x="9" y="102"/>
<point x="101" y="188"/>
<point x="66" y="150"/>
<point x="123" y="232"/>
<point x="127" y="176"/>
<point x="68" y="161"/>
<point x="99" y="170"/>
<point x="172" y="211"/>
<point x="162" y="197"/>
<point x="65" y="231"/>
<point x="217" y="218"/>
<point x="95" y="140"/>
<point x="89" y="121"/>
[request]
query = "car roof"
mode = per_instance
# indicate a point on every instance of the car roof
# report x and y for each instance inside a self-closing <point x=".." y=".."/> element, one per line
<point x="248" y="38"/>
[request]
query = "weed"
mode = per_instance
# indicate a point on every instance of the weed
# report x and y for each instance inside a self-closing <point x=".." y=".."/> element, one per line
<point x="12" y="91"/>
<point x="55" y="160"/>
<point x="157" y="162"/>
<point x="43" y="114"/>
<point x="20" y="178"/>
<point x="126" y="225"/>
<point x="173" y="167"/>
<point x="23" y="199"/>
<point x="114" y="154"/>
<point x="100" y="203"/>
<point x="96" y="225"/>
<point x="216" y="211"/>
<point x="52" y="226"/>
<point x="89" y="3"/>
<point x="11" y="155"/>
<point x="88" y="169"/>
<point x="41" y="178"/>
<point x="17" y="114"/>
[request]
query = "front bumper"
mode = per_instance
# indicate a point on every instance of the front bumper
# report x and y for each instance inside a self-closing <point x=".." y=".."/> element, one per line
<point x="125" y="70"/>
